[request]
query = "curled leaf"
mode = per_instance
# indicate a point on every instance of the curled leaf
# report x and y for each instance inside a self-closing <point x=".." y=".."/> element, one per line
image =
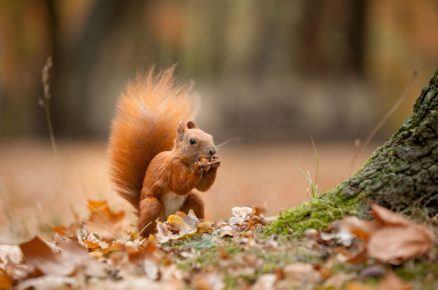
<point x="44" y="258"/>
<point x="397" y="244"/>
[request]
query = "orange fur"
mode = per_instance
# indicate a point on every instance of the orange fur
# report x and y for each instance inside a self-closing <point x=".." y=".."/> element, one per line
<point x="157" y="160"/>
<point x="145" y="124"/>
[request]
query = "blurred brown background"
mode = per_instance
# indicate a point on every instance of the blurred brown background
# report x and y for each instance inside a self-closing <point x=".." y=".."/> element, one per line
<point x="270" y="73"/>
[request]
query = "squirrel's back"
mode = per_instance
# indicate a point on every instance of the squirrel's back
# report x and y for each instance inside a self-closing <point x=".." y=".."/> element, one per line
<point x="145" y="123"/>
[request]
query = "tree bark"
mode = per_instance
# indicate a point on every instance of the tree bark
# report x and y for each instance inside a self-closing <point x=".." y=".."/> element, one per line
<point x="404" y="171"/>
<point x="400" y="175"/>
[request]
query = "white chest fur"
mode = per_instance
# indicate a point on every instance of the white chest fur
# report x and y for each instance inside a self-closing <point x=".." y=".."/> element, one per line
<point x="172" y="202"/>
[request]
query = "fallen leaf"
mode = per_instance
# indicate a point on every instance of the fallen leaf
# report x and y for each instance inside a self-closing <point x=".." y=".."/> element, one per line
<point x="223" y="254"/>
<point x="392" y="282"/>
<point x="210" y="281"/>
<point x="90" y="240"/>
<point x="136" y="255"/>
<point x="258" y="210"/>
<point x="10" y="253"/>
<point x="175" y="219"/>
<point x="337" y="280"/>
<point x="240" y="214"/>
<point x="191" y="219"/>
<point x="265" y="282"/>
<point x="39" y="255"/>
<point x="100" y="213"/>
<point x="91" y="245"/>
<point x="18" y="271"/>
<point x="135" y="283"/>
<point x="389" y="238"/>
<point x="69" y="231"/>
<point x="177" y="226"/>
<point x="5" y="280"/>
<point x="359" y="257"/>
<point x="359" y="286"/>
<point x="387" y="217"/>
<point x="226" y="231"/>
<point x="305" y="273"/>
<point x="396" y="244"/>
<point x="151" y="269"/>
<point x="48" y="283"/>
<point x="359" y="228"/>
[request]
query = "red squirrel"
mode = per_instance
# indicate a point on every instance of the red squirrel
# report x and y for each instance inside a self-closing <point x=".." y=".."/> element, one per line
<point x="158" y="156"/>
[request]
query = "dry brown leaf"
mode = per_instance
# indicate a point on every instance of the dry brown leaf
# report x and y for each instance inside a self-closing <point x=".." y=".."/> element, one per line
<point x="397" y="244"/>
<point x="337" y="280"/>
<point x="359" y="257"/>
<point x="259" y="210"/>
<point x="386" y="217"/>
<point x="359" y="286"/>
<point x="393" y="282"/>
<point x="100" y="213"/>
<point x="134" y="282"/>
<point x="91" y="245"/>
<point x="137" y="255"/>
<point x="5" y="280"/>
<point x="390" y="237"/>
<point x="39" y="255"/>
<point x="223" y="254"/>
<point x="49" y="283"/>
<point x="69" y="231"/>
<point x="305" y="273"/>
<point x="359" y="228"/>
<point x="114" y="247"/>
<point x="210" y="281"/>
<point x="265" y="282"/>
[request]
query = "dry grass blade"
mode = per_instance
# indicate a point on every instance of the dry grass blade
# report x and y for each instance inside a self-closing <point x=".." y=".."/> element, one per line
<point x="44" y="102"/>
<point x="382" y="122"/>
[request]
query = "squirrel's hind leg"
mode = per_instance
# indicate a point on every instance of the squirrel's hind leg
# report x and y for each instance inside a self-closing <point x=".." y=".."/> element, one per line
<point x="194" y="202"/>
<point x="151" y="209"/>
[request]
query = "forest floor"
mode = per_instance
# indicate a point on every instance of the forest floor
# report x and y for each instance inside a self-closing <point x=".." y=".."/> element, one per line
<point x="104" y="252"/>
<point x="100" y="248"/>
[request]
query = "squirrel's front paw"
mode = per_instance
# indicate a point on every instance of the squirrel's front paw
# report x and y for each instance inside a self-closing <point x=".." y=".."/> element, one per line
<point x="201" y="166"/>
<point x="215" y="162"/>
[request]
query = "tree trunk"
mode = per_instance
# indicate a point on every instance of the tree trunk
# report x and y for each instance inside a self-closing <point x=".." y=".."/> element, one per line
<point x="401" y="175"/>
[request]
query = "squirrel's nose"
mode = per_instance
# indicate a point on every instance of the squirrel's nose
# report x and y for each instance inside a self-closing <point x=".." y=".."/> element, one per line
<point x="212" y="151"/>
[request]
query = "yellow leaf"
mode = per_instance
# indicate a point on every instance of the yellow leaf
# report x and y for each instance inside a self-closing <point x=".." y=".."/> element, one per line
<point x="152" y="238"/>
<point x="175" y="220"/>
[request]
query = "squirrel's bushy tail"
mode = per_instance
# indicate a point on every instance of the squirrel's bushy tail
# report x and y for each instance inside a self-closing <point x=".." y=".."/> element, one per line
<point x="145" y="124"/>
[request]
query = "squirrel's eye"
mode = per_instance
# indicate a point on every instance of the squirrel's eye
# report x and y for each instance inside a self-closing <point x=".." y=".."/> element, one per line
<point x="192" y="141"/>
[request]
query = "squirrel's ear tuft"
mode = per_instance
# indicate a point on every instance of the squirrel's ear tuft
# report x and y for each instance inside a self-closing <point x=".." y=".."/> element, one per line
<point x="191" y="125"/>
<point x="181" y="129"/>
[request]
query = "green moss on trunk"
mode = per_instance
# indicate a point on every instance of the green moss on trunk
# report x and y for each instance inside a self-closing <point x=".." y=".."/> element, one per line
<point x="401" y="173"/>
